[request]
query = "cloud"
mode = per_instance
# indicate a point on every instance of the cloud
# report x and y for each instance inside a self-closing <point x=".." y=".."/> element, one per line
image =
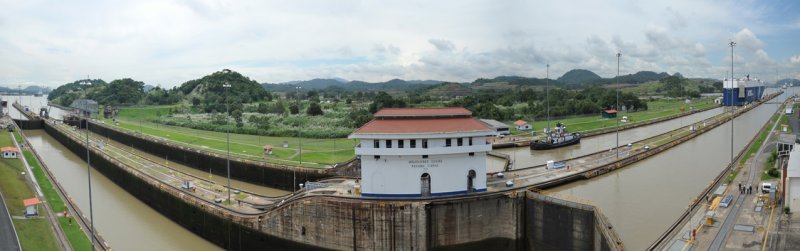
<point x="795" y="59"/>
<point x="170" y="42"/>
<point x="442" y="45"/>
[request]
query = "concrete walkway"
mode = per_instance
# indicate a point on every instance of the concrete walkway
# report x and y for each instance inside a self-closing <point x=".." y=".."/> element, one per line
<point x="8" y="234"/>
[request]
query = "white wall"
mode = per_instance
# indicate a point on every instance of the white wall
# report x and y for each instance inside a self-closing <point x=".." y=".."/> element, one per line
<point x="793" y="194"/>
<point x="400" y="175"/>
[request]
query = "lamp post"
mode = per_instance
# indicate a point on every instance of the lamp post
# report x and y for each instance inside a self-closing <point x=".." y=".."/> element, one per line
<point x="547" y="95"/>
<point x="227" y="86"/>
<point x="619" y="54"/>
<point x="733" y="106"/>
<point x="300" y="140"/>
<point x="88" y="162"/>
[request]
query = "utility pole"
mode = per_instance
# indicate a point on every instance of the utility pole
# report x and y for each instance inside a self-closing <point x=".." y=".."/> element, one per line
<point x="733" y="105"/>
<point x="227" y="86"/>
<point x="547" y="96"/>
<point x="619" y="54"/>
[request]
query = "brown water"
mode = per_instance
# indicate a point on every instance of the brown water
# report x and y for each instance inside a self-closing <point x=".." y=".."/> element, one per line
<point x="124" y="221"/>
<point x="643" y="199"/>
<point x="524" y="157"/>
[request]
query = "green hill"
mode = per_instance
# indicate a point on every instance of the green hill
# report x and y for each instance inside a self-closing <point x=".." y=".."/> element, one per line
<point x="579" y="76"/>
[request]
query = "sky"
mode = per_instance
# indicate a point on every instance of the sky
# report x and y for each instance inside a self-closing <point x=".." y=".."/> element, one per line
<point x="168" y="42"/>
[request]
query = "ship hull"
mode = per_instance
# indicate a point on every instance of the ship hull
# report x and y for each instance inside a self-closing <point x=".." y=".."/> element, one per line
<point x="540" y="145"/>
<point x="735" y="96"/>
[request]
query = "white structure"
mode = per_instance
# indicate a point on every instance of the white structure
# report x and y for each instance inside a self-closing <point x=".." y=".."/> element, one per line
<point x="522" y="125"/>
<point x="792" y="182"/>
<point x="413" y="152"/>
<point x="499" y="127"/>
<point x="9" y="152"/>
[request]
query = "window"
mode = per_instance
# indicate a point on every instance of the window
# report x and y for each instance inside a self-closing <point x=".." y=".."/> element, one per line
<point x="413" y="143"/>
<point x="460" y="141"/>
<point x="377" y="156"/>
<point x="376" y="144"/>
<point x="470" y="140"/>
<point x="448" y="142"/>
<point x="401" y="143"/>
<point x="388" y="143"/>
<point x="424" y="143"/>
<point x="471" y="154"/>
<point x="424" y="156"/>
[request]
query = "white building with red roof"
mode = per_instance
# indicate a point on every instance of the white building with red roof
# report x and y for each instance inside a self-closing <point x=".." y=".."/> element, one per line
<point x="413" y="152"/>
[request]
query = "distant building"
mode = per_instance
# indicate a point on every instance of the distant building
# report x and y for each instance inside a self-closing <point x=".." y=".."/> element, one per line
<point x="9" y="152"/>
<point x="413" y="152"/>
<point x="609" y="114"/>
<point x="522" y="125"/>
<point x="500" y="128"/>
<point x="84" y="107"/>
<point x="792" y="180"/>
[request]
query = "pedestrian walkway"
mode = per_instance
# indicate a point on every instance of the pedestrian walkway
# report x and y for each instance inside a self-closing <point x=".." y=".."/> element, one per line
<point x="8" y="235"/>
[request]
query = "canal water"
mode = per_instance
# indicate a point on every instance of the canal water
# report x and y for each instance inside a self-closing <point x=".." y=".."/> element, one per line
<point x="643" y="199"/>
<point x="524" y="157"/>
<point x="34" y="103"/>
<point x="124" y="221"/>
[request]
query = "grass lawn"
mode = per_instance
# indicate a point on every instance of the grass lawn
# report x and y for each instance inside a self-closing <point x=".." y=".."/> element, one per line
<point x="34" y="234"/>
<point x="657" y="109"/>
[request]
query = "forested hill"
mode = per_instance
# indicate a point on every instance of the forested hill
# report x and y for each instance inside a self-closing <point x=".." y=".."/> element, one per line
<point x="579" y="76"/>
<point x="209" y="91"/>
<point x="350" y="86"/>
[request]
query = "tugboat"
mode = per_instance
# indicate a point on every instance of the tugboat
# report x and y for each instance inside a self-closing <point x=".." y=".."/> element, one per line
<point x="558" y="137"/>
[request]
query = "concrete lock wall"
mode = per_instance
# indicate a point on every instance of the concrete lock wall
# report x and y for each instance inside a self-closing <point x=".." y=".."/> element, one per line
<point x="29" y="124"/>
<point x="496" y="221"/>
<point x="266" y="174"/>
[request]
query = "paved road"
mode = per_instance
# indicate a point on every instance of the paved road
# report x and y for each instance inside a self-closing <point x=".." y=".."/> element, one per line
<point x="8" y="237"/>
<point x="726" y="227"/>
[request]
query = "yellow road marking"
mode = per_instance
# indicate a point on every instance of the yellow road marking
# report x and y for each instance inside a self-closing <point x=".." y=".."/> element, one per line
<point x="766" y="233"/>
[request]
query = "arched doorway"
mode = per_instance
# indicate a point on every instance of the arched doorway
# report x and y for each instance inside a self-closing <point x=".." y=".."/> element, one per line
<point x="425" y="180"/>
<point x="470" y="179"/>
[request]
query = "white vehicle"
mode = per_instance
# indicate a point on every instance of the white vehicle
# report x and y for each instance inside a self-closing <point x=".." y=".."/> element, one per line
<point x="766" y="187"/>
<point x="624" y="119"/>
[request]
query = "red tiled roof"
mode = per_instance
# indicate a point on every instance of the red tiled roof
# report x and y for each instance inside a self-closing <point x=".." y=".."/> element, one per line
<point x="520" y="123"/>
<point x="611" y="111"/>
<point x="422" y="125"/>
<point x="8" y="149"/>
<point x="31" y="201"/>
<point x="423" y="112"/>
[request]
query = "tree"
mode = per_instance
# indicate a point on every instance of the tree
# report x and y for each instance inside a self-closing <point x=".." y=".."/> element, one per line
<point x="383" y="100"/>
<point x="314" y="109"/>
<point x="237" y="116"/>
<point x="294" y="108"/>
<point x="262" y="108"/>
<point x="359" y="117"/>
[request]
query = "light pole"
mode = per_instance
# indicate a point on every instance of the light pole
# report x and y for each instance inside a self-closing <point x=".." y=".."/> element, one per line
<point x="300" y="140"/>
<point x="547" y="96"/>
<point x="89" y="163"/>
<point x="227" y="86"/>
<point x="733" y="106"/>
<point x="619" y="54"/>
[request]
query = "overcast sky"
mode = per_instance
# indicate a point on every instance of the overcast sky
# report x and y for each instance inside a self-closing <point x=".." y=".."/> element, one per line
<point x="164" y="42"/>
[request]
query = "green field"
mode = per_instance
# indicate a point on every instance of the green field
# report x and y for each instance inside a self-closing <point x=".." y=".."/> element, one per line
<point x="657" y="109"/>
<point x="325" y="152"/>
<point x="34" y="233"/>
<point x="315" y="152"/>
